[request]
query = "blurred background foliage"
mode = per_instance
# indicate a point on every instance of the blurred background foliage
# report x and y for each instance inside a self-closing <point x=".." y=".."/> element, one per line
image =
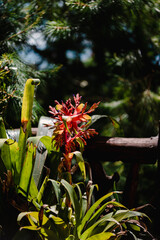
<point x="107" y="51"/>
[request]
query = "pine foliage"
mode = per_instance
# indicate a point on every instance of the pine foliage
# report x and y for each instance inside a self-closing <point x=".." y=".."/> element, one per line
<point x="122" y="38"/>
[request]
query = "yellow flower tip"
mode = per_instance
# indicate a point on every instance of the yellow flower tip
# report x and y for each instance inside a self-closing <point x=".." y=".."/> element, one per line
<point x="80" y="107"/>
<point x="58" y="107"/>
<point x="86" y="117"/>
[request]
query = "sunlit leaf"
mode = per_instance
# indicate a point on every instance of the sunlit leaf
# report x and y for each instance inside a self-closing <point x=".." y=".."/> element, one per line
<point x="5" y="153"/>
<point x="2" y="129"/>
<point x="27" y="169"/>
<point x="41" y="191"/>
<point x="72" y="194"/>
<point x="81" y="163"/>
<point x="97" y="214"/>
<point x="26" y="115"/>
<point x="33" y="228"/>
<point x="91" y="211"/>
<point x="104" y="221"/>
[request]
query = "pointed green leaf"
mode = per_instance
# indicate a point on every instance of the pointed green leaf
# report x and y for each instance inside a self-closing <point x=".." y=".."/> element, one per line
<point x="27" y="168"/>
<point x="104" y="221"/>
<point x="33" y="191"/>
<point x="41" y="191"/>
<point x="5" y="153"/>
<point x="2" y="129"/>
<point x="21" y="215"/>
<point x="33" y="228"/>
<point x="81" y="144"/>
<point x="56" y="186"/>
<point x="97" y="214"/>
<point x="74" y="200"/>
<point x="81" y="163"/>
<point x="91" y="211"/>
<point x="80" y="198"/>
<point x="91" y="193"/>
<point x="117" y="126"/>
<point x="46" y="140"/>
<point x="124" y="214"/>
<point x="26" y="115"/>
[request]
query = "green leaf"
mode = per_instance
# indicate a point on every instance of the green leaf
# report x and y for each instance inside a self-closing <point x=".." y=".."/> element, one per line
<point x="21" y="215"/>
<point x="135" y="227"/>
<point x="46" y="140"/>
<point x="104" y="220"/>
<point x="71" y="237"/>
<point x="91" y="193"/>
<point x="33" y="191"/>
<point x="14" y="152"/>
<point x="117" y="126"/>
<point x="72" y="194"/>
<point x="5" y="153"/>
<point x="27" y="168"/>
<point x="45" y="149"/>
<point x="81" y="144"/>
<point x="81" y="164"/>
<point x="101" y="236"/>
<point x="80" y="198"/>
<point x="91" y="211"/>
<point x="33" y="218"/>
<point x="57" y="220"/>
<point x="33" y="228"/>
<point x="2" y="129"/>
<point x="26" y="115"/>
<point x="124" y="214"/>
<point x="60" y="226"/>
<point x="9" y="155"/>
<point x="56" y="186"/>
<point x="41" y="191"/>
<point x="97" y="214"/>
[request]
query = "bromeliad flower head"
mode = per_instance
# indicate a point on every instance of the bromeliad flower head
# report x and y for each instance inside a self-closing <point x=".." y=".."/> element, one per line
<point x="70" y="128"/>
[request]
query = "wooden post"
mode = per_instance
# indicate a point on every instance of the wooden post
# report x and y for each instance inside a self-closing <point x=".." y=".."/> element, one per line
<point x="129" y="195"/>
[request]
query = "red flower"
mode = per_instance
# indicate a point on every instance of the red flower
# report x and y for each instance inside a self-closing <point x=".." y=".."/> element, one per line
<point x="70" y="129"/>
<point x="71" y="123"/>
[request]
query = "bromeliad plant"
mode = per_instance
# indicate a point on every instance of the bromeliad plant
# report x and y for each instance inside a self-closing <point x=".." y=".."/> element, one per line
<point x="67" y="216"/>
<point x="17" y="158"/>
<point x="17" y="184"/>
<point x="70" y="131"/>
<point x="106" y="218"/>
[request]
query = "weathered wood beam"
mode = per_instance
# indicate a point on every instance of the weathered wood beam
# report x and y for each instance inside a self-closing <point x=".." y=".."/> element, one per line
<point x="142" y="150"/>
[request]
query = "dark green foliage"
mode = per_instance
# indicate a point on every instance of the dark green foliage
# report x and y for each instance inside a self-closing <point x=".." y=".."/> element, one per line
<point x="108" y="51"/>
<point x="105" y="49"/>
